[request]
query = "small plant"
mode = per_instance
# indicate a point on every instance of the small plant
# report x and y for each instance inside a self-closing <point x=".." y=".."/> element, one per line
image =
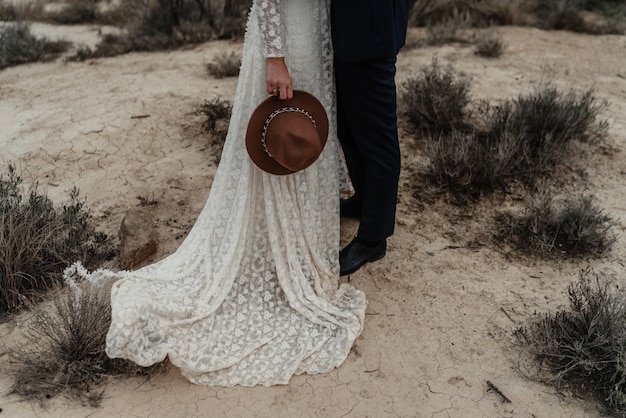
<point x="445" y="32"/>
<point x="167" y="24"/>
<point x="575" y="227"/>
<point x="225" y="65"/>
<point x="489" y="45"/>
<point x="19" y="46"/>
<point x="583" y="346"/>
<point x="7" y="11"/>
<point x="567" y="15"/>
<point x="75" y="12"/>
<point x="217" y="118"/>
<point x="435" y="100"/>
<point x="474" y="13"/>
<point x="38" y="239"/>
<point x="547" y="124"/>
<point x="519" y="140"/>
<point x="468" y="164"/>
<point x="64" y="348"/>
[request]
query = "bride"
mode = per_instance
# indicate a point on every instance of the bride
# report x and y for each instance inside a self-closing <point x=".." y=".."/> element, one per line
<point x="252" y="296"/>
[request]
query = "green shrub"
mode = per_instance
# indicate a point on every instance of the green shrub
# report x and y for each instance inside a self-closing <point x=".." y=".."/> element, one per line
<point x="19" y="46"/>
<point x="584" y="346"/>
<point x="39" y="239"/>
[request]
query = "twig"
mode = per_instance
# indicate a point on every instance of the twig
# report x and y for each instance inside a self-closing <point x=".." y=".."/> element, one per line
<point x="493" y="388"/>
<point x="139" y="116"/>
<point x="507" y="314"/>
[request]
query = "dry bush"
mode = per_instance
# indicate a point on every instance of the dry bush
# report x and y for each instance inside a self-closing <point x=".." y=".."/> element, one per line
<point x="19" y="46"/>
<point x="75" y="12"/>
<point x="19" y="11"/>
<point x="447" y="31"/>
<point x="217" y="117"/>
<point x="64" y="348"/>
<point x="521" y="140"/>
<point x="467" y="165"/>
<point x="476" y="13"/>
<point x="225" y="65"/>
<point x="568" y="15"/>
<point x="39" y="239"/>
<point x="574" y="227"/>
<point x="7" y="11"/>
<point x="166" y="24"/>
<point x="489" y="45"/>
<point x="584" y="346"/>
<point x="435" y="100"/>
<point x="548" y="124"/>
<point x="547" y="14"/>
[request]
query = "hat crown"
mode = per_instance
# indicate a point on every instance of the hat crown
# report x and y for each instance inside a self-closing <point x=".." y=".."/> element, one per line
<point x="287" y="136"/>
<point x="292" y="139"/>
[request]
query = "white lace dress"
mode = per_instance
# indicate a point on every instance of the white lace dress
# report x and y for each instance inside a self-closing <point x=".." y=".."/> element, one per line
<point x="251" y="296"/>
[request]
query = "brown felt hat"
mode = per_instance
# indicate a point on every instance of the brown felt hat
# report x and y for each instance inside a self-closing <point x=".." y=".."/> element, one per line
<point x="286" y="136"/>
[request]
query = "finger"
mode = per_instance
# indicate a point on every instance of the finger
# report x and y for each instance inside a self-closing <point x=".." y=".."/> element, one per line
<point x="289" y="92"/>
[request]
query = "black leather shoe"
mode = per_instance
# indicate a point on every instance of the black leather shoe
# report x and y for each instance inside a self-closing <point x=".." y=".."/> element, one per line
<point x="349" y="208"/>
<point x="356" y="254"/>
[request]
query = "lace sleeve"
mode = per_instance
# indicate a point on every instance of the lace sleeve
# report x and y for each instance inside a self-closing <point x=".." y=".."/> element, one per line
<point x="269" y="23"/>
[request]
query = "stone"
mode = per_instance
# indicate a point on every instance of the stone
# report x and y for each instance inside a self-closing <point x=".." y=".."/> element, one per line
<point x="138" y="238"/>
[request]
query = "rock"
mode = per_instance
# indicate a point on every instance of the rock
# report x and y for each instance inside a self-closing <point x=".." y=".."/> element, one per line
<point x="138" y="238"/>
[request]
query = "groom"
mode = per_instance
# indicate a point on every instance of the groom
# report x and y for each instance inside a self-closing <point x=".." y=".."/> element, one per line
<point x="367" y="35"/>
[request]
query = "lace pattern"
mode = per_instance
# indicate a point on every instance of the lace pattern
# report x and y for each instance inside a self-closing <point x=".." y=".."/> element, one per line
<point x="269" y="25"/>
<point x="251" y="296"/>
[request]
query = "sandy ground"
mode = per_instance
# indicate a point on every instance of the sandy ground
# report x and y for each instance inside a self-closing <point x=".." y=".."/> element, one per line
<point x="440" y="312"/>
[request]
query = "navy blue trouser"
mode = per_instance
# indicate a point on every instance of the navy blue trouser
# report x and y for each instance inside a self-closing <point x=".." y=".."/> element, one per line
<point x="368" y="133"/>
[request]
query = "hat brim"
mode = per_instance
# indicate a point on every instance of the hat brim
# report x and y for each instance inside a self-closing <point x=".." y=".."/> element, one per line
<point x="301" y="99"/>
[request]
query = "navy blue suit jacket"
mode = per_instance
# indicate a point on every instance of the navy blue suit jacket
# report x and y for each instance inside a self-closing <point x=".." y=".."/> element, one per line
<point x="367" y="29"/>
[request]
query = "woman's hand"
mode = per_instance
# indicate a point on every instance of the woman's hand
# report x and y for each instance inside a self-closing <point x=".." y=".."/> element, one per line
<point x="277" y="78"/>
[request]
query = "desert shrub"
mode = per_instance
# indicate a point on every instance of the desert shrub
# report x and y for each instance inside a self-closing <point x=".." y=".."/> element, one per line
<point x="64" y="348"/>
<point x="468" y="164"/>
<point x="447" y="31"/>
<point x="39" y="239"/>
<point x="7" y="11"/>
<point x="566" y="15"/>
<point x="435" y="100"/>
<point x="573" y="227"/>
<point x="168" y="24"/>
<point x="547" y="124"/>
<point x="225" y="65"/>
<point x="518" y="140"/>
<point x="489" y="45"/>
<point x="583" y="347"/>
<point x="476" y="13"/>
<point x="217" y="117"/>
<point x="19" y="46"/>
<point x="547" y="14"/>
<point x="75" y="11"/>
